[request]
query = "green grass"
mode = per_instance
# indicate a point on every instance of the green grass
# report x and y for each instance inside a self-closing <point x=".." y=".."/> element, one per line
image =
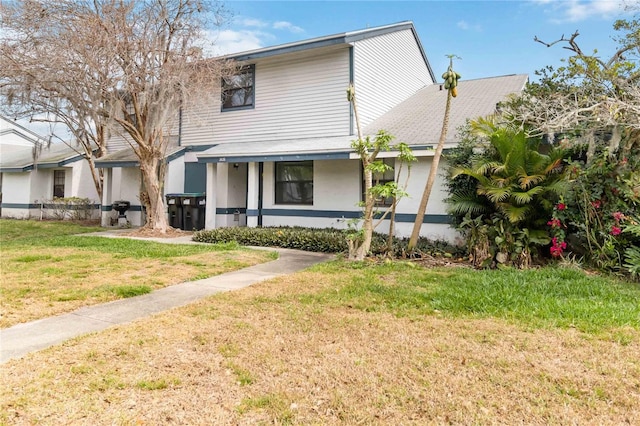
<point x="61" y="234"/>
<point x="25" y="231"/>
<point x="48" y="269"/>
<point x="547" y="297"/>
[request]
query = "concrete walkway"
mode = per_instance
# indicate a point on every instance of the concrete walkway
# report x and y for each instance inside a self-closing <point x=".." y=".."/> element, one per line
<point x="21" y="339"/>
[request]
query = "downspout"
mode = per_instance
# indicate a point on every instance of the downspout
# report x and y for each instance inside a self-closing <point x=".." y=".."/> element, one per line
<point x="180" y="126"/>
<point x="260" y="185"/>
<point x="351" y="77"/>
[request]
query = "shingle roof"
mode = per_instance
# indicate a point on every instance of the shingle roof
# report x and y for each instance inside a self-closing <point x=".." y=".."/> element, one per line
<point x="318" y="148"/>
<point x="56" y="155"/>
<point x="128" y="158"/>
<point x="418" y="120"/>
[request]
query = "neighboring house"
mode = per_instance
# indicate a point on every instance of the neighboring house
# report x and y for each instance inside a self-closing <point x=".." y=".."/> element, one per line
<point x="277" y="146"/>
<point x="14" y="137"/>
<point x="33" y="175"/>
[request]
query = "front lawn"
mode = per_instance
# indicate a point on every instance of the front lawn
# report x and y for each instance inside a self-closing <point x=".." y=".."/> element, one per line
<point x="345" y="343"/>
<point x="48" y="270"/>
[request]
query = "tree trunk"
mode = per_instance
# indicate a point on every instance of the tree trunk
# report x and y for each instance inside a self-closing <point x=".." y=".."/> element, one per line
<point x="152" y="179"/>
<point x="392" y="224"/>
<point x="415" y="233"/>
<point x="359" y="251"/>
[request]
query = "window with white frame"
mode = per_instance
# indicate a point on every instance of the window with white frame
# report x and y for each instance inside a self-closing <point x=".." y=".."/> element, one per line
<point x="238" y="89"/>
<point x="294" y="182"/>
<point x="58" y="183"/>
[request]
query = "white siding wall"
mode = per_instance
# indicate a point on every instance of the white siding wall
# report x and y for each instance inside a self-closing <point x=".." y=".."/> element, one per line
<point x="387" y="70"/>
<point x="118" y="137"/>
<point x="296" y="96"/>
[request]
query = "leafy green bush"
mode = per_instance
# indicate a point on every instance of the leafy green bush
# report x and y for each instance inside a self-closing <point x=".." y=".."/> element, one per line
<point x="328" y="240"/>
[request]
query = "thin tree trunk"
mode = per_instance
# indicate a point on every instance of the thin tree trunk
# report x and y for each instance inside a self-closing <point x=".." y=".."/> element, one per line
<point x="413" y="241"/>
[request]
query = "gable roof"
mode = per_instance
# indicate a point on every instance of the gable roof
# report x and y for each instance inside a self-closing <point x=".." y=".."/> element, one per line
<point x="56" y="155"/>
<point x="12" y="127"/>
<point x="345" y="38"/>
<point x="418" y="120"/>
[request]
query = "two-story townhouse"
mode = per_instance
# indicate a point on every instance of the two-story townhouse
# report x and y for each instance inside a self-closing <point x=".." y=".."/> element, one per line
<point x="283" y="155"/>
<point x="275" y="149"/>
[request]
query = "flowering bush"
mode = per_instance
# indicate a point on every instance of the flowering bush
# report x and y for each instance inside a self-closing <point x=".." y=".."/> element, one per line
<point x="558" y="244"/>
<point x="593" y="214"/>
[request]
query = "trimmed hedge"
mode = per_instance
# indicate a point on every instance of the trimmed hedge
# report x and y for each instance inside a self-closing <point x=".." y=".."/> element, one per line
<point x="327" y="240"/>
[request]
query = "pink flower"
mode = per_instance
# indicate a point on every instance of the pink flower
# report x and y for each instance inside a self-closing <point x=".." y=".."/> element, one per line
<point x="557" y="248"/>
<point x="561" y="206"/>
<point x="615" y="230"/>
<point x="596" y="204"/>
<point x="554" y="223"/>
<point x="618" y="216"/>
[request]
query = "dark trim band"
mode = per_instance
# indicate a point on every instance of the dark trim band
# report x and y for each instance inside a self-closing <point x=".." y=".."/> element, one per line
<point x="343" y="214"/>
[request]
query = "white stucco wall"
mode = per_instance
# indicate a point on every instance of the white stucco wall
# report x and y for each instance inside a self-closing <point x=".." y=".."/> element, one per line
<point x="79" y="182"/>
<point x="337" y="187"/>
<point x="174" y="179"/>
<point x="41" y="184"/>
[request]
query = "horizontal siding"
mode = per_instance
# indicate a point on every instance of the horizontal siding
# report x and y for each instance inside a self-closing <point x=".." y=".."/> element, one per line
<point x="387" y="70"/>
<point x="118" y="140"/>
<point x="297" y="96"/>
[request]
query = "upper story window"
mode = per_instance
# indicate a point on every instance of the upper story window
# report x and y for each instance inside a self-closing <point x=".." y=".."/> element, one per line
<point x="58" y="183"/>
<point x="294" y="182"/>
<point x="238" y="89"/>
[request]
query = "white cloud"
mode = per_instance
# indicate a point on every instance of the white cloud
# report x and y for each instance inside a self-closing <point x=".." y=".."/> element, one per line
<point x="465" y="26"/>
<point x="248" y="34"/>
<point x="284" y="25"/>
<point x="581" y="10"/>
<point x="253" y="22"/>
<point x="232" y="41"/>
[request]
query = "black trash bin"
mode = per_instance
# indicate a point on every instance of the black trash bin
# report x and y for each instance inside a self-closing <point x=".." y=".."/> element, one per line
<point x="193" y="210"/>
<point x="174" y="207"/>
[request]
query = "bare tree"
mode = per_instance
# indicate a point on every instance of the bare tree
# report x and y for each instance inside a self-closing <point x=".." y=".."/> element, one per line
<point x="48" y="76"/>
<point x="142" y="60"/>
<point x="588" y="94"/>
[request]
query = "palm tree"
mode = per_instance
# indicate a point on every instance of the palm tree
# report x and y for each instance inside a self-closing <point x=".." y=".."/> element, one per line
<point x="517" y="179"/>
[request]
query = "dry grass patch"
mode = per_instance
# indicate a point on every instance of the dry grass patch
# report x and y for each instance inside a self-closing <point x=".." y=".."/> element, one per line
<point x="37" y="283"/>
<point x="284" y="352"/>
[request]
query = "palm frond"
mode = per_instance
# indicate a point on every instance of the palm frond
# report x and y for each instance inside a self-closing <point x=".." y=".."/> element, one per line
<point x="514" y="213"/>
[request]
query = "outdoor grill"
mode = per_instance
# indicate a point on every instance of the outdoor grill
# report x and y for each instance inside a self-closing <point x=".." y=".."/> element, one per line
<point x="121" y="207"/>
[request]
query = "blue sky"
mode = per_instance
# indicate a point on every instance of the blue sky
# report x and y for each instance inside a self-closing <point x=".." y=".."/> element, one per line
<point x="492" y="37"/>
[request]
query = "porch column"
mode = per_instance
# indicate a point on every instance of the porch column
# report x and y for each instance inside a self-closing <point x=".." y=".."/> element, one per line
<point x="253" y="190"/>
<point x="107" y="188"/>
<point x="222" y="195"/>
<point x="210" y="211"/>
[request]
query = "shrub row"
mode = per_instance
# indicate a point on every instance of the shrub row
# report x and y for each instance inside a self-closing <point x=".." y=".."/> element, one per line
<point x="328" y="240"/>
